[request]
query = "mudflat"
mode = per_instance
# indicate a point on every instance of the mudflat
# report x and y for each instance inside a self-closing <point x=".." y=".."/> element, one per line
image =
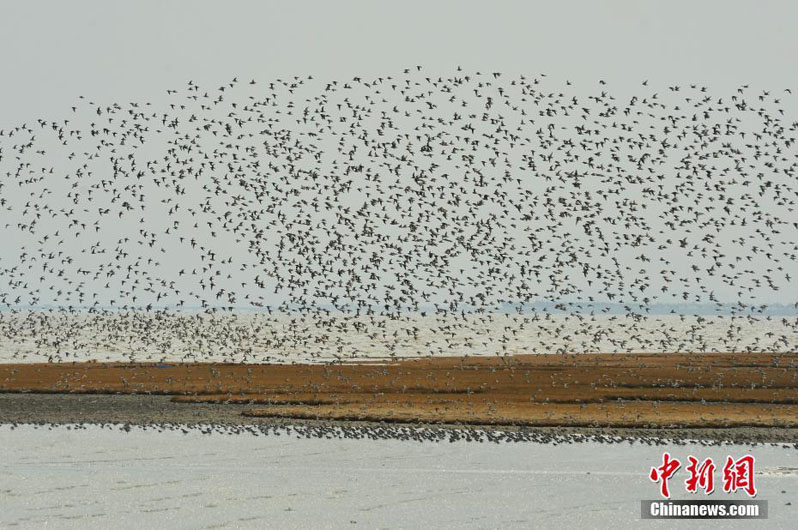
<point x="709" y="390"/>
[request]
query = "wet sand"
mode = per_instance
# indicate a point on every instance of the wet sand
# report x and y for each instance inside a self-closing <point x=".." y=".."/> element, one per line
<point x="710" y="390"/>
<point x="161" y="413"/>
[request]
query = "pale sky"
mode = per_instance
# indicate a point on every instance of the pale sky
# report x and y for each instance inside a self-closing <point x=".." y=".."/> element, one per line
<point x="117" y="51"/>
<point x="54" y="52"/>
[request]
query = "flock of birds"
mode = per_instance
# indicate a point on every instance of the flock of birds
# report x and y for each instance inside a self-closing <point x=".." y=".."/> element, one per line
<point x="408" y="214"/>
<point x="433" y="433"/>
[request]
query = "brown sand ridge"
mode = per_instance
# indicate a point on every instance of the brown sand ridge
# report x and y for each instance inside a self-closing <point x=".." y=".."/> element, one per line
<point x="629" y="390"/>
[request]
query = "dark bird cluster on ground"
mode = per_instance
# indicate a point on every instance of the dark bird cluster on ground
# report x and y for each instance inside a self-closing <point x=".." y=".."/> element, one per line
<point x="407" y="214"/>
<point x="436" y="433"/>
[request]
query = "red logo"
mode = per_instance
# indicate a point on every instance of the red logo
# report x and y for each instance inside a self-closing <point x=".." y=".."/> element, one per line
<point x="701" y="476"/>
<point x="664" y="472"/>
<point x="737" y="475"/>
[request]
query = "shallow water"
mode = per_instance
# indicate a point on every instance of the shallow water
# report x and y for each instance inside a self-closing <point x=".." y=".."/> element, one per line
<point x="98" y="477"/>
